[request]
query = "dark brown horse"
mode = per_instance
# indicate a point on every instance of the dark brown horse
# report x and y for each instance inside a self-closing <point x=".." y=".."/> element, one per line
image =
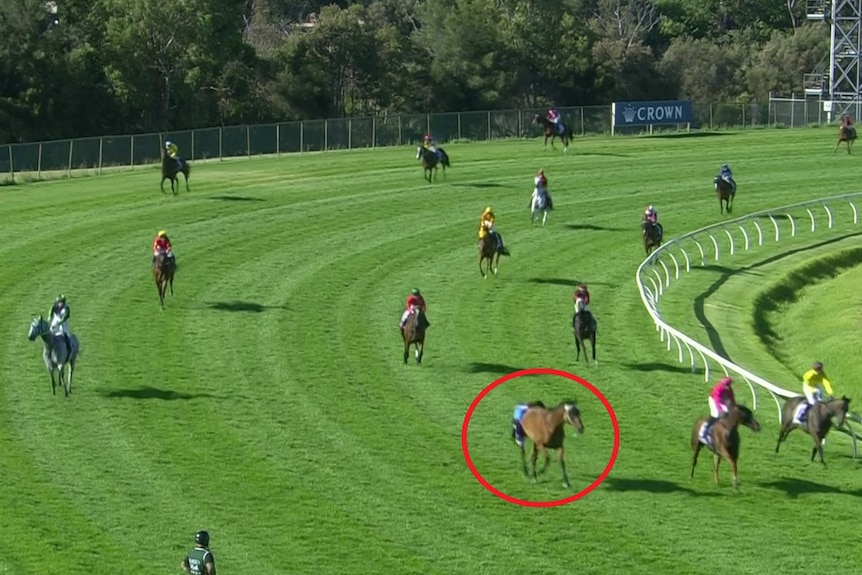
<point x="549" y="129"/>
<point x="818" y="421"/>
<point x="430" y="160"/>
<point x="413" y="333"/>
<point x="725" y="192"/>
<point x="846" y="133"/>
<point x="584" y="327"/>
<point x="652" y="235"/>
<point x="163" y="274"/>
<point x="488" y="251"/>
<point x="170" y="168"/>
<point x="544" y="427"/>
<point x="724" y="439"/>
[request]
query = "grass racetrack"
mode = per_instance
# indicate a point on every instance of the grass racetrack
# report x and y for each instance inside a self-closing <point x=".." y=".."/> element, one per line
<point x="269" y="403"/>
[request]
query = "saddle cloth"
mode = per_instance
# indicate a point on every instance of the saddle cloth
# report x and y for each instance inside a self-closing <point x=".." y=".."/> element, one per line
<point x="707" y="440"/>
<point x="800" y="415"/>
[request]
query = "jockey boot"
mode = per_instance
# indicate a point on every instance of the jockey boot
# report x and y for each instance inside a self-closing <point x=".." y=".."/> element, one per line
<point x="68" y="342"/>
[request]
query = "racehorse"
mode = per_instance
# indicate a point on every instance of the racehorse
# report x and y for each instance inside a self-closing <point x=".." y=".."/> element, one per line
<point x="550" y="131"/>
<point x="540" y="206"/>
<point x="652" y="235"/>
<point x="584" y="327"/>
<point x="170" y="169"/>
<point x="846" y="133"/>
<point x="413" y="332"/>
<point x="430" y="161"/>
<point x="724" y="439"/>
<point x="818" y="421"/>
<point x="56" y="354"/>
<point x="163" y="273"/>
<point x="544" y="427"/>
<point x="725" y="192"/>
<point x="488" y="249"/>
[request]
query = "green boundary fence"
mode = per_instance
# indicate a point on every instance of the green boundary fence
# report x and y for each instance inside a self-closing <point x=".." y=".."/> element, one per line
<point x="338" y="134"/>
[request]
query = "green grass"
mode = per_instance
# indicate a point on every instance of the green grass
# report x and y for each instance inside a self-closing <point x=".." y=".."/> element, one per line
<point x="268" y="403"/>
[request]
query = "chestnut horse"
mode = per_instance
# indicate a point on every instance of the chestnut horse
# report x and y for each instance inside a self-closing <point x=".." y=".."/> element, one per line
<point x="725" y="192"/>
<point x="724" y="439"/>
<point x="544" y="427"/>
<point x="549" y="129"/>
<point x="846" y="133"/>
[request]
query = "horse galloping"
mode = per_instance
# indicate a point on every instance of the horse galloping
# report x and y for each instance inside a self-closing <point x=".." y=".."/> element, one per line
<point x="549" y="129"/>
<point x="584" y="327"/>
<point x="163" y="274"/>
<point x="846" y="134"/>
<point x="652" y="235"/>
<point x="541" y="205"/>
<point x="724" y="439"/>
<point x="430" y="159"/>
<point x="170" y="168"/>
<point x="725" y="192"/>
<point x="544" y="427"/>
<point x="817" y="422"/>
<point x="56" y="353"/>
<point x="413" y="333"/>
<point x="489" y="248"/>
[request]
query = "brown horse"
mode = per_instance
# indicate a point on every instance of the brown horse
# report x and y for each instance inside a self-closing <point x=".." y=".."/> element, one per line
<point x="725" y="192"/>
<point x="724" y="439"/>
<point x="652" y="235"/>
<point x="544" y="427"/>
<point x="170" y="169"/>
<point x="584" y="327"/>
<point x="549" y="129"/>
<point x="846" y="133"/>
<point x="413" y="333"/>
<point x="488" y="250"/>
<point x="163" y="274"/>
<point x="818" y="421"/>
<point x="430" y="160"/>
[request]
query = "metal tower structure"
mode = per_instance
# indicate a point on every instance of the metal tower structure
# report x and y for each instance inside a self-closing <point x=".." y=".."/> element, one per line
<point x="841" y="89"/>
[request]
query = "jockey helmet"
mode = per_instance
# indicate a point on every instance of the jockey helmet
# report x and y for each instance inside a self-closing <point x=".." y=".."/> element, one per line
<point x="818" y="366"/>
<point x="541" y="172"/>
<point x="415" y="291"/>
<point x="488" y="210"/>
<point x="724" y="166"/>
<point x="60" y="298"/>
<point x="726" y="381"/>
<point x="203" y="538"/>
<point x="168" y="143"/>
<point x="650" y="208"/>
<point x="163" y="234"/>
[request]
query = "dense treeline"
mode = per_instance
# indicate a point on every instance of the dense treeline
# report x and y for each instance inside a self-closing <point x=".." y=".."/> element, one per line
<point x="125" y="66"/>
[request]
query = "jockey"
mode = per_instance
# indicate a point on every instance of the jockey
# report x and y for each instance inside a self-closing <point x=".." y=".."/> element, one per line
<point x="486" y="226"/>
<point x="540" y="190"/>
<point x="814" y="382"/>
<point x="59" y="320"/>
<point x="556" y="119"/>
<point x="429" y="142"/>
<point x="726" y="175"/>
<point x="163" y="244"/>
<point x="847" y="120"/>
<point x="517" y="431"/>
<point x="582" y="293"/>
<point x="651" y="215"/>
<point x="172" y="151"/>
<point x="414" y="301"/>
<point x="721" y="399"/>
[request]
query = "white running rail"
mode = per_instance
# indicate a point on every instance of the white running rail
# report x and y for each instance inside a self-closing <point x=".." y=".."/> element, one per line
<point x="656" y="272"/>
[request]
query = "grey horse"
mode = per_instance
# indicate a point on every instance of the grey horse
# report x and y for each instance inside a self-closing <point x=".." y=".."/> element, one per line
<point x="56" y="354"/>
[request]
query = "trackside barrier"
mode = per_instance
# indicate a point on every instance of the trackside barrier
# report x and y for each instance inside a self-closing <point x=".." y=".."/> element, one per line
<point x="655" y="273"/>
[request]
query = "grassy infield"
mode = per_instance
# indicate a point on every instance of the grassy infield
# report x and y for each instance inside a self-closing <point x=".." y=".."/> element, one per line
<point x="268" y="403"/>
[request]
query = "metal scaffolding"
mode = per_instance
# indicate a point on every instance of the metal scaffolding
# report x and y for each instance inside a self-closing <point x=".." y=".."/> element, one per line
<point x="841" y="88"/>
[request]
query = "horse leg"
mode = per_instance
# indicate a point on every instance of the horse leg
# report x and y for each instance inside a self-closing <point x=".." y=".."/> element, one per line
<point x="71" y="372"/>
<point x="420" y="349"/>
<point x="560" y="456"/>
<point x="716" y="460"/>
<point x="524" y="461"/>
<point x="734" y="470"/>
<point x="533" y="459"/>
<point x="186" y="178"/>
<point x="696" y="446"/>
<point x="53" y="382"/>
<point x="481" y="271"/>
<point x="578" y="348"/>
<point x="818" y="448"/>
<point x="565" y="144"/>
<point x="406" y="349"/>
<point x="496" y="259"/>
<point x="593" y="345"/>
<point x="782" y="435"/>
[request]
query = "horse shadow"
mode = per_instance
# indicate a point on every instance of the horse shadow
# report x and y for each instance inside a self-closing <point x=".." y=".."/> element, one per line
<point x="152" y="393"/>
<point x="482" y="185"/>
<point x="242" y="306"/>
<point x="793" y="488"/>
<point x="655" y="486"/>
<point x="609" y="154"/>
<point x="656" y="366"/>
<point x="561" y="282"/>
<point x="593" y="227"/>
<point x="226" y="198"/>
<point x="480" y="367"/>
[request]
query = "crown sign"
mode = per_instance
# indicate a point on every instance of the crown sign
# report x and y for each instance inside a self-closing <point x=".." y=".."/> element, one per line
<point x="629" y="113"/>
